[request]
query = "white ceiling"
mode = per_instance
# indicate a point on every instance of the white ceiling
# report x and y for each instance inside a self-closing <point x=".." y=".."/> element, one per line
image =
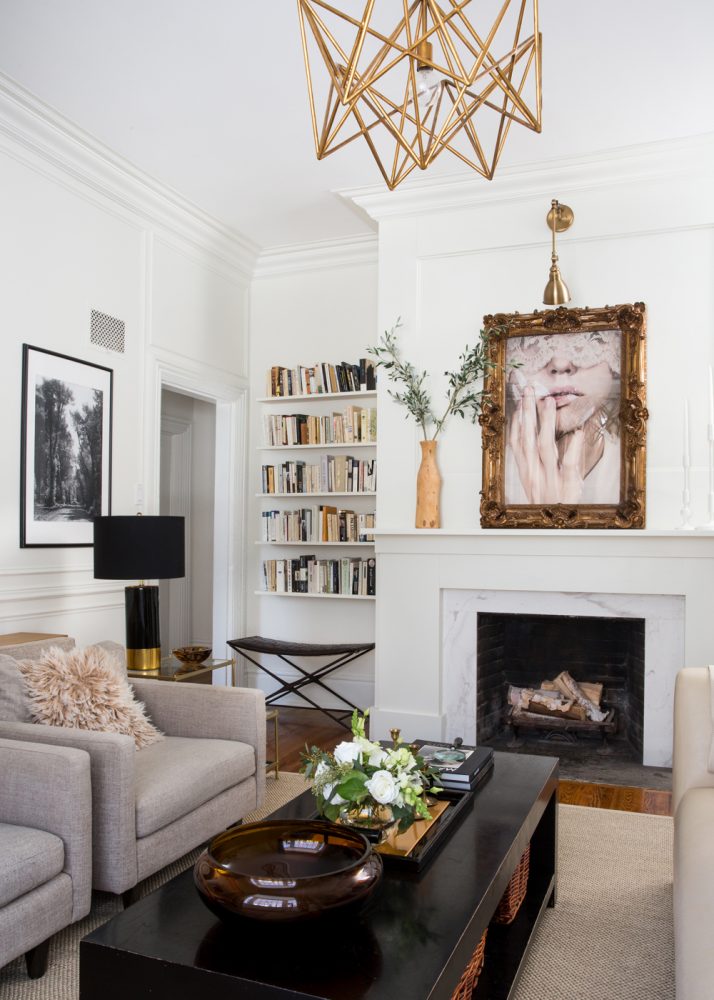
<point x="209" y="96"/>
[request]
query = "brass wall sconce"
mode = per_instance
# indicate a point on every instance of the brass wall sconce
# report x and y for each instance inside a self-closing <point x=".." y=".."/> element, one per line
<point x="559" y="218"/>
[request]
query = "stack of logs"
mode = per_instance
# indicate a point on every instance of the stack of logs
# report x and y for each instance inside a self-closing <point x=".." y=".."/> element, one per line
<point x="563" y="698"/>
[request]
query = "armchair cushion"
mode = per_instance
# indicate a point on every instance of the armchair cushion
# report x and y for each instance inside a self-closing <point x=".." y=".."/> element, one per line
<point x="28" y="859"/>
<point x="178" y="775"/>
<point x="14" y="700"/>
<point x="84" y="689"/>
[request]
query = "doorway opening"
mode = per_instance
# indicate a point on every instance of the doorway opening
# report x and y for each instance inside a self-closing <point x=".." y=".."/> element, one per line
<point x="187" y="489"/>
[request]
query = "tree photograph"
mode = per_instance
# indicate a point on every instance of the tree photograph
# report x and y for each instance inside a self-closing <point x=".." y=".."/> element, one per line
<point x="68" y="451"/>
<point x="66" y="448"/>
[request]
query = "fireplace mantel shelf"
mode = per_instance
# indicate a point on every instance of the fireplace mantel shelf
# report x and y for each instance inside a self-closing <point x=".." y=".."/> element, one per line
<point x="540" y="533"/>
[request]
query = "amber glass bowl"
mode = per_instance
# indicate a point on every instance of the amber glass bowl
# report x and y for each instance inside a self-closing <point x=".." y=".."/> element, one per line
<point x="192" y="654"/>
<point x="286" y="870"/>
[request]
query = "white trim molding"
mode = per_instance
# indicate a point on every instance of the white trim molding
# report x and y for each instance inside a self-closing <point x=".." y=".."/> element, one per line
<point x="42" y="138"/>
<point x="348" y="251"/>
<point x="626" y="165"/>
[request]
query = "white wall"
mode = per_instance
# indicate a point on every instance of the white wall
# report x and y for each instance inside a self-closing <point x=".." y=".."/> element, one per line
<point x="449" y="254"/>
<point x="305" y="312"/>
<point x="82" y="229"/>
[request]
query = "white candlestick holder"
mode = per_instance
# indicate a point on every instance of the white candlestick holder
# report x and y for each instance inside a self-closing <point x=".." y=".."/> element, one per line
<point x="686" y="510"/>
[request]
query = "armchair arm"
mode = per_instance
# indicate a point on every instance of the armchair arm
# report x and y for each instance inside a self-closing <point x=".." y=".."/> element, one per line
<point x="692" y="733"/>
<point x="203" y="712"/>
<point x="112" y="768"/>
<point x="48" y="788"/>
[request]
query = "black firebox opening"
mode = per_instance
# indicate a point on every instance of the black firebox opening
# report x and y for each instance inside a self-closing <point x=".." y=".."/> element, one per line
<point x="525" y="650"/>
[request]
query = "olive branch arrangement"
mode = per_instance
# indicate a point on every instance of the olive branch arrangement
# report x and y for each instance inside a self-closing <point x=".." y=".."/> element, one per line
<point x="463" y="398"/>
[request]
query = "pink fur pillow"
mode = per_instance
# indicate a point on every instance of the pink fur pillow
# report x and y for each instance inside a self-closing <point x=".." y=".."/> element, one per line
<point x="84" y="689"/>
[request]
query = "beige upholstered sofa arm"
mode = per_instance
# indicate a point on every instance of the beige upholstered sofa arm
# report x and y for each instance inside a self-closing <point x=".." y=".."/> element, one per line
<point x="112" y="764"/>
<point x="48" y="788"/>
<point x="203" y="712"/>
<point x="692" y="733"/>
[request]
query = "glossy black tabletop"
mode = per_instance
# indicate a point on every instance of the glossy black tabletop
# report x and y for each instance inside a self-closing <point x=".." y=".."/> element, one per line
<point x="412" y="942"/>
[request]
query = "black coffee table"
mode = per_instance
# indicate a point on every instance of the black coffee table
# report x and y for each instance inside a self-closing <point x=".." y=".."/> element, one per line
<point x="412" y="943"/>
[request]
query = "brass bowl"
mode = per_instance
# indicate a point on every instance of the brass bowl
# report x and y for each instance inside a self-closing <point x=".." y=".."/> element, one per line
<point x="280" y="871"/>
<point x="192" y="654"/>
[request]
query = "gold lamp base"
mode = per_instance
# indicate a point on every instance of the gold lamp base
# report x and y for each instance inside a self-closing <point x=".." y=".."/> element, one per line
<point x="143" y="659"/>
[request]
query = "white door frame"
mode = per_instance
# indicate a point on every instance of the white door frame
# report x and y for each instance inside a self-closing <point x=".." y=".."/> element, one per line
<point x="177" y="435"/>
<point x="230" y="397"/>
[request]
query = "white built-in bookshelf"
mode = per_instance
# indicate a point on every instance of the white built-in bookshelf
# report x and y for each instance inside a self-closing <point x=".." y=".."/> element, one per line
<point x="301" y="490"/>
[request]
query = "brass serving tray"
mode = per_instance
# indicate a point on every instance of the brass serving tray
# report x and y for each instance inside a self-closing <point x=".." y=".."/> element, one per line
<point x="412" y="850"/>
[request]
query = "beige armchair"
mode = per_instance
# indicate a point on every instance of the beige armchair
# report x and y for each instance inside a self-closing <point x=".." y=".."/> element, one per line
<point x="693" y="807"/>
<point x="45" y="847"/>
<point x="152" y="805"/>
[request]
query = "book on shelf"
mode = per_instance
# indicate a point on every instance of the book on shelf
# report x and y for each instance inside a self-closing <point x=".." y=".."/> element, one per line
<point x="458" y="766"/>
<point x="321" y="378"/>
<point x="332" y="474"/>
<point x="310" y="575"/>
<point x="355" y="425"/>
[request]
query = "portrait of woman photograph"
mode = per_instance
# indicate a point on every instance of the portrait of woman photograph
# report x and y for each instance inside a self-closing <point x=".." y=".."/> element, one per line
<point x="562" y="405"/>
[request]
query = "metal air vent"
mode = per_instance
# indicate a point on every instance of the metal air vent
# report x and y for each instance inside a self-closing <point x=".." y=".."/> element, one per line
<point x="107" y="331"/>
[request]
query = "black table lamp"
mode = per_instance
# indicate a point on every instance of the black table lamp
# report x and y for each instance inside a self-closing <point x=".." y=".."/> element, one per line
<point x="140" y="548"/>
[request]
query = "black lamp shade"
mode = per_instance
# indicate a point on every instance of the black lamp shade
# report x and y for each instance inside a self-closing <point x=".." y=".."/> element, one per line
<point x="139" y="548"/>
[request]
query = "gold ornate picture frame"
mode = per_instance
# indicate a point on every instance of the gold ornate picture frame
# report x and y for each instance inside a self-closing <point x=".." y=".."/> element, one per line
<point x="564" y="419"/>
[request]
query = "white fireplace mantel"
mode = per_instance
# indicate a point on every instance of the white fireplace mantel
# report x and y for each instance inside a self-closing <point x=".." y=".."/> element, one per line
<point x="426" y="577"/>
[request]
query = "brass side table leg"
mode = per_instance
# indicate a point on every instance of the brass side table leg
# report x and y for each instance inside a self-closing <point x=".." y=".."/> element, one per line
<point x="274" y="765"/>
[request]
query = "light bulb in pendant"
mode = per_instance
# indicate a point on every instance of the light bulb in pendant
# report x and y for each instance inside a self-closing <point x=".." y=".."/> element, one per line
<point x="427" y="78"/>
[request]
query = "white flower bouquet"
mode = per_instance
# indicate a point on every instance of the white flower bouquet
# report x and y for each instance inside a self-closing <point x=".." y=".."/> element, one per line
<point x="362" y="782"/>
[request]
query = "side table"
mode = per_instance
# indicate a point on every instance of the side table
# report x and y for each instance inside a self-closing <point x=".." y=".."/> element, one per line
<point x="172" y="669"/>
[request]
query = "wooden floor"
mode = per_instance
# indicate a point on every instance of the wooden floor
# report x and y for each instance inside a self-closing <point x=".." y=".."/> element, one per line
<point x="300" y="726"/>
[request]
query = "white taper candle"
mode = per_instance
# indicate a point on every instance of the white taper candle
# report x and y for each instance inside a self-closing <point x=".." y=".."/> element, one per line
<point x="686" y="455"/>
<point x="711" y="397"/>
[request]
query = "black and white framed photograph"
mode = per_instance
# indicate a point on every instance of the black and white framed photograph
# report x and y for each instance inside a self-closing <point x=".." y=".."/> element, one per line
<point x="66" y="448"/>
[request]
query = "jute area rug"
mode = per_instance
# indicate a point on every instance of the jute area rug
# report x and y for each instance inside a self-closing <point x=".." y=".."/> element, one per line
<point x="608" y="938"/>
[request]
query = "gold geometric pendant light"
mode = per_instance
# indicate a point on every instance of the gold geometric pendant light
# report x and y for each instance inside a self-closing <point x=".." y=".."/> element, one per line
<point x="451" y="75"/>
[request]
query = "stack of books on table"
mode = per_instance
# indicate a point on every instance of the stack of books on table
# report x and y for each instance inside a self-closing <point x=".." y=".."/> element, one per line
<point x="459" y="767"/>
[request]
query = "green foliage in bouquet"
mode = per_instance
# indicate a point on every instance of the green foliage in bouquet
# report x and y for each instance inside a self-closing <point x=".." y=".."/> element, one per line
<point x="465" y="393"/>
<point x="362" y="773"/>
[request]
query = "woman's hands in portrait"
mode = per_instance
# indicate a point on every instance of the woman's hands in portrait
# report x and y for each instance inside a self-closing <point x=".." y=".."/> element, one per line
<point x="550" y="468"/>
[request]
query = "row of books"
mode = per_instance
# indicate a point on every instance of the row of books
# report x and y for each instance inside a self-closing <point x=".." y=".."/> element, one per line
<point x="316" y="524"/>
<point x="333" y="474"/>
<point x="310" y="575"/>
<point x="320" y="378"/>
<point x="355" y="424"/>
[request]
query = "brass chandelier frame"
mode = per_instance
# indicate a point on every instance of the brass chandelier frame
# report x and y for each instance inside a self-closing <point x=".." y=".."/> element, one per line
<point x="472" y="80"/>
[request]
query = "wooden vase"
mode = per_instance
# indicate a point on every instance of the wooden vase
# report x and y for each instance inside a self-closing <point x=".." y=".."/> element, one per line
<point x="428" y="488"/>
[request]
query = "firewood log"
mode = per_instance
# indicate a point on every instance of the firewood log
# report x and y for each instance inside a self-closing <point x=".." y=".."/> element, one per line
<point x="589" y="689"/>
<point x="571" y="689"/>
<point x="544" y="703"/>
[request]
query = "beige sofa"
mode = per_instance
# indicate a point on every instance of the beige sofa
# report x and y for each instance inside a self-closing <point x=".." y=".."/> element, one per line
<point x="152" y="805"/>
<point x="693" y="807"/>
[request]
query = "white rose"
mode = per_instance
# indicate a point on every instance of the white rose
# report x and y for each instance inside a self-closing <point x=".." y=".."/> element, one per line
<point x="346" y="753"/>
<point x="382" y="787"/>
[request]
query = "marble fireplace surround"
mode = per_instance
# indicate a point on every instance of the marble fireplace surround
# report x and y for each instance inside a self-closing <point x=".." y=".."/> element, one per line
<point x="432" y="585"/>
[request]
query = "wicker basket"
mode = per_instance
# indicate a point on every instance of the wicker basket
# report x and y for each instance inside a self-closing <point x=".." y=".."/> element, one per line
<point x="515" y="891"/>
<point x="467" y="983"/>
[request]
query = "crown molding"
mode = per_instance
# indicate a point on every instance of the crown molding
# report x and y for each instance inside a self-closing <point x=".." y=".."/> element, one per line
<point x="689" y="156"/>
<point x="38" y="135"/>
<point x="347" y="251"/>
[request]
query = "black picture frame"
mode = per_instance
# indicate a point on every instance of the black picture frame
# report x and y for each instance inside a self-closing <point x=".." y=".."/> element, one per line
<point x="66" y="448"/>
